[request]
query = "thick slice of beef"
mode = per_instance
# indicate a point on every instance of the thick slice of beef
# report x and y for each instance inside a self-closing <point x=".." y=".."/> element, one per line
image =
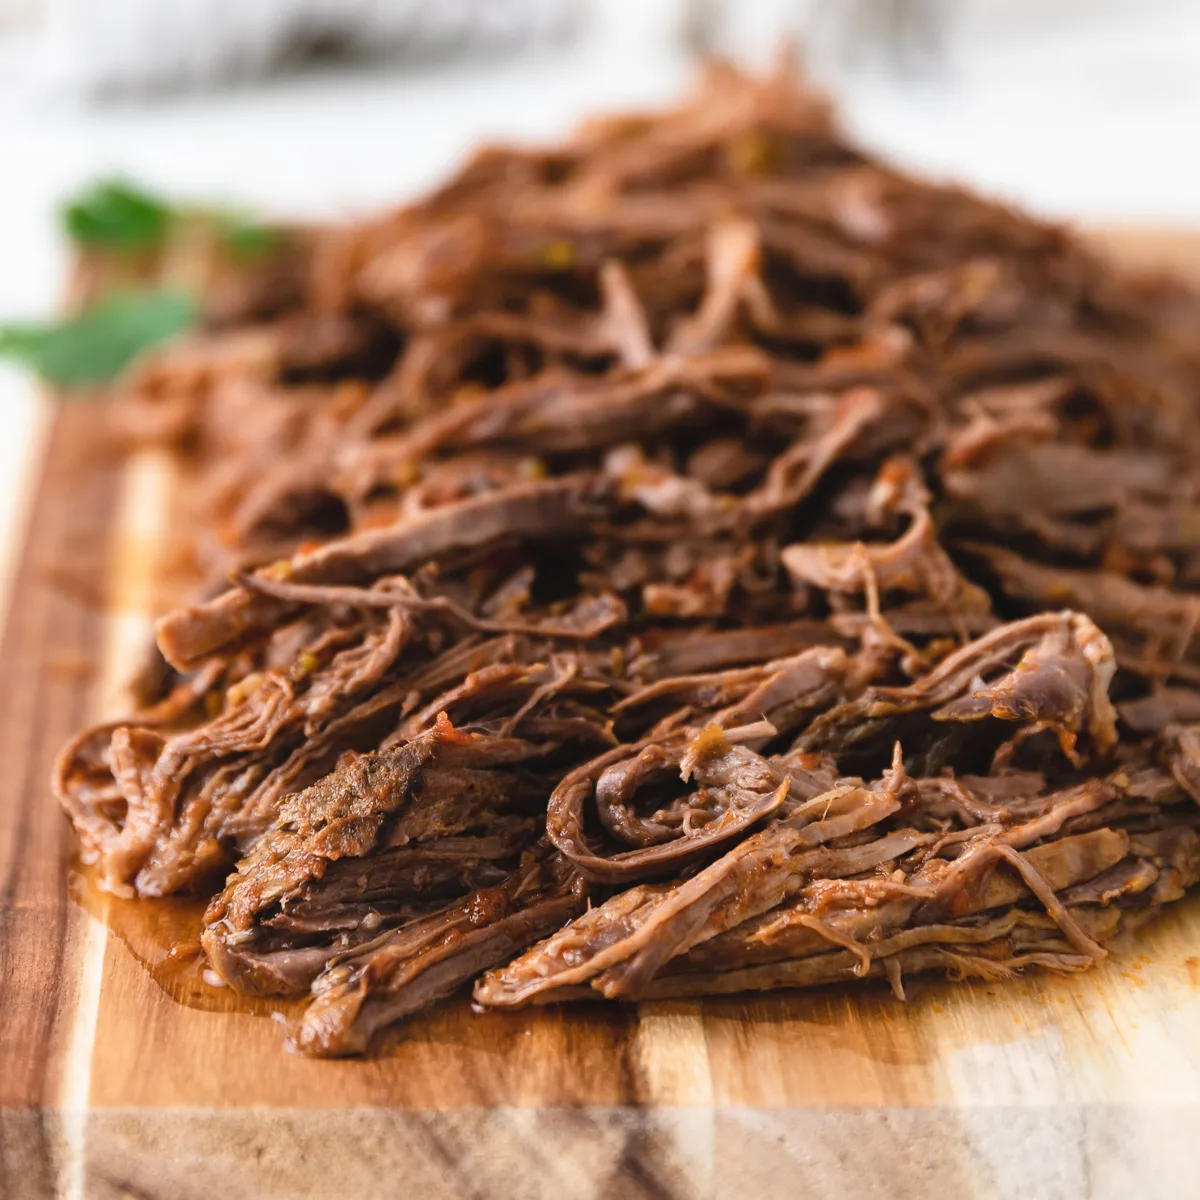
<point x="374" y="985"/>
<point x="962" y="958"/>
<point x="861" y="912"/>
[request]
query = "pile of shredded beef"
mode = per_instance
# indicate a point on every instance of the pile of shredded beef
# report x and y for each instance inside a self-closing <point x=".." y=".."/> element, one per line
<point x="693" y="559"/>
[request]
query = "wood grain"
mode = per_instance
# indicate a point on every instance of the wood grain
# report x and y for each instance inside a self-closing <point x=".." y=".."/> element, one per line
<point x="118" y="1079"/>
<point x="47" y="659"/>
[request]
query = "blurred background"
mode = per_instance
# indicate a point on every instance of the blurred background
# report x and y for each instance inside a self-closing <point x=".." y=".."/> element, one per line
<point x="1085" y="109"/>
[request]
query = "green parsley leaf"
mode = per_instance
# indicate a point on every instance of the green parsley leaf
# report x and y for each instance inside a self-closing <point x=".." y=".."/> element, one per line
<point x="95" y="346"/>
<point x="114" y="214"/>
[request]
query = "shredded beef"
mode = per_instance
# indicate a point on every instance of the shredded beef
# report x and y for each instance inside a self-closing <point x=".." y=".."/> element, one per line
<point x="690" y="559"/>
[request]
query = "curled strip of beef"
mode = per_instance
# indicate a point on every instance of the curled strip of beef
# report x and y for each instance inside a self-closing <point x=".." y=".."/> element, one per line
<point x="354" y="670"/>
<point x="1062" y="681"/>
<point x="1049" y="671"/>
<point x="83" y="780"/>
<point x="1153" y="625"/>
<point x="151" y="771"/>
<point x="736" y="789"/>
<point x="915" y="563"/>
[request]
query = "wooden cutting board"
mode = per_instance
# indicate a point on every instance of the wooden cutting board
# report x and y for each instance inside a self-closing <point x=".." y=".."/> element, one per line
<point x="124" y="1076"/>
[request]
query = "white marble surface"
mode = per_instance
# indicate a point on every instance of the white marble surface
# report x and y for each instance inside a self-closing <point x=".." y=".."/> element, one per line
<point x="1094" y="120"/>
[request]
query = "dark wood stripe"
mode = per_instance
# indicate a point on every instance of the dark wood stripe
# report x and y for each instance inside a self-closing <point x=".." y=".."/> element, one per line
<point x="44" y="697"/>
